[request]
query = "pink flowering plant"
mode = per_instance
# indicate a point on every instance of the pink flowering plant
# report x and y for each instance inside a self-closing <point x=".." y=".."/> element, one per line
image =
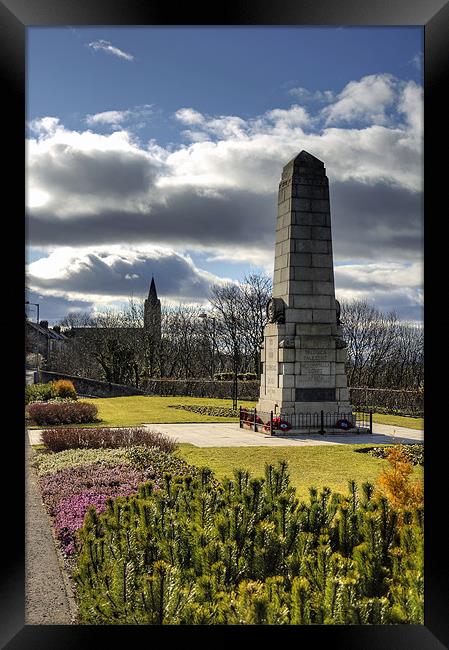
<point x="71" y="481"/>
<point x="69" y="516"/>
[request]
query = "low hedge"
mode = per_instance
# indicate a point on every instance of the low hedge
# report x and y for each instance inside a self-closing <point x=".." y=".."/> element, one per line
<point x="220" y="411"/>
<point x="64" y="388"/>
<point x="73" y="438"/>
<point x="44" y="414"/>
<point x="413" y="453"/>
<point x="241" y="376"/>
<point x="39" y="393"/>
<point x="61" y="389"/>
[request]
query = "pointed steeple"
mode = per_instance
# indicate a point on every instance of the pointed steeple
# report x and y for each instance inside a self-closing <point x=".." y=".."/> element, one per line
<point x="152" y="294"/>
<point x="152" y="312"/>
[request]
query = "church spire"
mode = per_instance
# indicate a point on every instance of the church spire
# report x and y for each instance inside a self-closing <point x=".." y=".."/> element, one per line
<point x="152" y="312"/>
<point x="152" y="294"/>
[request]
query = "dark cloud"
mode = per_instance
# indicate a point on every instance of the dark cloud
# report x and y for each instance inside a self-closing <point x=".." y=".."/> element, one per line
<point x="65" y="171"/>
<point x="376" y="222"/>
<point x="176" y="277"/>
<point x="185" y="219"/>
<point x="369" y="222"/>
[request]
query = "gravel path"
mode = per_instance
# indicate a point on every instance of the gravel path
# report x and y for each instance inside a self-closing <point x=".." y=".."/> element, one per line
<point x="47" y="597"/>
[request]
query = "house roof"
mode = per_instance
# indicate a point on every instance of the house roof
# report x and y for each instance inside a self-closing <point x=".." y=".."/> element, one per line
<point x="47" y="332"/>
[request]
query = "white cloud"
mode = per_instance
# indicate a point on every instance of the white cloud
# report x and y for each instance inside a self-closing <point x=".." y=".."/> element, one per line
<point x="291" y="117"/>
<point x="87" y="172"/>
<point x="386" y="274"/>
<point x="106" y="46"/>
<point x="391" y="286"/>
<point x="411" y="104"/>
<point x="366" y="100"/>
<point x="138" y="115"/>
<point x="107" y="117"/>
<point x="306" y="95"/>
<point x="189" y="116"/>
<point x="45" y="126"/>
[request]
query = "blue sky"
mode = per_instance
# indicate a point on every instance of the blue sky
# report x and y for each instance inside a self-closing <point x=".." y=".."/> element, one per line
<point x="160" y="150"/>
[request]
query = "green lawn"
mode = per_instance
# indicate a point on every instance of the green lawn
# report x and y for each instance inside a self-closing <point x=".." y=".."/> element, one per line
<point x="138" y="409"/>
<point x="324" y="465"/>
<point x="399" y="421"/>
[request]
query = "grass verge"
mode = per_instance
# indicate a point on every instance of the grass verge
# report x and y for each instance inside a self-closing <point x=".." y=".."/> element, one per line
<point x="319" y="466"/>
<point x="140" y="409"/>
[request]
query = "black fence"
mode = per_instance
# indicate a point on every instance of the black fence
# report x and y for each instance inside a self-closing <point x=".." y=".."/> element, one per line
<point x="273" y="423"/>
<point x="388" y="400"/>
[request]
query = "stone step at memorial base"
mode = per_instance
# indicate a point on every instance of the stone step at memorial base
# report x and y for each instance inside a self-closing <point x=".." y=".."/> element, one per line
<point x="316" y="431"/>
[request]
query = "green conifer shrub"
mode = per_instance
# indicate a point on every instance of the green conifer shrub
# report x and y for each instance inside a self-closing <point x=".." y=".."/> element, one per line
<point x="246" y="551"/>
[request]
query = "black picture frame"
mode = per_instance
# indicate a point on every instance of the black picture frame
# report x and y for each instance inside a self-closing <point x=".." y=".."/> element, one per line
<point x="433" y="16"/>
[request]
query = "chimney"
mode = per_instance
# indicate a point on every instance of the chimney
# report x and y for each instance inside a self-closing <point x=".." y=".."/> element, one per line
<point x="44" y="324"/>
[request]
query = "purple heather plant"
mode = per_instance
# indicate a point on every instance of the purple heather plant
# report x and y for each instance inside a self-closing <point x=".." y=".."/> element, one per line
<point x="70" y="481"/>
<point x="70" y="513"/>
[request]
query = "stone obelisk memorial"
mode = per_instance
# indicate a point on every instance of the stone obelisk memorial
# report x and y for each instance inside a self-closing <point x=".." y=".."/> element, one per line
<point x="303" y="353"/>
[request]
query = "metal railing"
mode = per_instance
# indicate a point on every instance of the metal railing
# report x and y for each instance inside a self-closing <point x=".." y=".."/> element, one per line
<point x="271" y="423"/>
<point x="257" y="420"/>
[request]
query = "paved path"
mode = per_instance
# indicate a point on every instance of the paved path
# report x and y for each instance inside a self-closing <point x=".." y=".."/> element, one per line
<point x="218" y="434"/>
<point x="46" y="601"/>
<point x="229" y="434"/>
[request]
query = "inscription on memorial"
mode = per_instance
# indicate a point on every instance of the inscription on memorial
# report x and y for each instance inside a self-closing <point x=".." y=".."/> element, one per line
<point x="314" y="367"/>
<point x="315" y="395"/>
<point x="314" y="355"/>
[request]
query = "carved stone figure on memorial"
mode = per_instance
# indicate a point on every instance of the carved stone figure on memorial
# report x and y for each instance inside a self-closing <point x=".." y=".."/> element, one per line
<point x="276" y="310"/>
<point x="338" y="311"/>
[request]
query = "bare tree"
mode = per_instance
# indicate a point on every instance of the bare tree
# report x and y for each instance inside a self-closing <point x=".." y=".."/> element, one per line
<point x="240" y="311"/>
<point x="256" y="290"/>
<point x="382" y="352"/>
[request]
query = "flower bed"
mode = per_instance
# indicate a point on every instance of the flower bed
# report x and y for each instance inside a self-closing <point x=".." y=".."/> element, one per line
<point x="73" y="438"/>
<point x="220" y="411"/>
<point x="414" y="453"/>
<point x="73" y="479"/>
<point x="49" y="463"/>
<point x="45" y="413"/>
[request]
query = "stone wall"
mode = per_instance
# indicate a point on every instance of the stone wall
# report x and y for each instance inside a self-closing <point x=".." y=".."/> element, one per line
<point x="91" y="387"/>
<point x="164" y="387"/>
<point x="202" y="388"/>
